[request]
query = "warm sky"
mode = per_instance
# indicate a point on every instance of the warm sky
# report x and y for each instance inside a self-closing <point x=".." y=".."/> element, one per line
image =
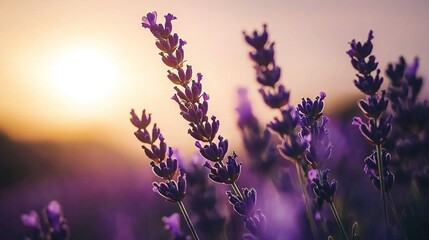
<point x="48" y="48"/>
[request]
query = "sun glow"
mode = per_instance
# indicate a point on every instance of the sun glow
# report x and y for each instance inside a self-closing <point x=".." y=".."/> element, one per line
<point x="84" y="76"/>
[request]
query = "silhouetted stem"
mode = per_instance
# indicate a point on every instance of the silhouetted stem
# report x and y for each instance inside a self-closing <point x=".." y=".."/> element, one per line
<point x="310" y="214"/>
<point x="337" y="217"/>
<point x="237" y="190"/>
<point x="188" y="220"/>
<point x="382" y="183"/>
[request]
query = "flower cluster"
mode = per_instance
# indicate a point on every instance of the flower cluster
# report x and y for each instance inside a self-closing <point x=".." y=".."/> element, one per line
<point x="163" y="166"/>
<point x="375" y="104"/>
<point x="276" y="96"/>
<point x="302" y="129"/>
<point x="371" y="168"/>
<point x="193" y="103"/>
<point x="411" y="117"/>
<point x="254" y="221"/>
<point x="54" y="217"/>
<point x="313" y="128"/>
<point x="257" y="140"/>
<point x="323" y="189"/>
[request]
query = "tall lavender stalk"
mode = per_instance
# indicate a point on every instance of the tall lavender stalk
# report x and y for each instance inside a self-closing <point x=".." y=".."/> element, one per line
<point x="276" y="96"/>
<point x="373" y="107"/>
<point x="163" y="166"/>
<point x="193" y="104"/>
<point x="310" y="146"/>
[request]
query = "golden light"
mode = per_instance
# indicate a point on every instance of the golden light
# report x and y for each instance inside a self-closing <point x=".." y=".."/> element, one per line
<point x="84" y="76"/>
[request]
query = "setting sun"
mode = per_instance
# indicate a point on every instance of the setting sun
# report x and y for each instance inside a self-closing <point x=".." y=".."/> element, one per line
<point x="84" y="76"/>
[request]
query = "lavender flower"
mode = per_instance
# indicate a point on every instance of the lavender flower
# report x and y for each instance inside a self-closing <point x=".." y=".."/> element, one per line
<point x="192" y="101"/>
<point x="378" y="127"/>
<point x="375" y="131"/>
<point x="228" y="173"/>
<point x="171" y="190"/>
<point x="371" y="168"/>
<point x="58" y="224"/>
<point x="31" y="222"/>
<point x="257" y="225"/>
<point x="322" y="188"/>
<point x="243" y="206"/>
<point x="53" y="219"/>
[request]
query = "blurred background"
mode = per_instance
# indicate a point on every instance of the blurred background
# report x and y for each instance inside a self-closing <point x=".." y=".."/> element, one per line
<point x="70" y="72"/>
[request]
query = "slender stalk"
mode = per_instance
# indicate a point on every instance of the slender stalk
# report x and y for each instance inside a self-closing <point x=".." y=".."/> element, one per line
<point x="337" y="217"/>
<point x="392" y="206"/>
<point x="188" y="220"/>
<point x="396" y="216"/>
<point x="234" y="186"/>
<point x="308" y="209"/>
<point x="382" y="183"/>
<point x="237" y="190"/>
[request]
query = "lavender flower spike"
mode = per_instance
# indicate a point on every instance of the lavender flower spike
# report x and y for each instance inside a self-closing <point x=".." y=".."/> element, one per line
<point x="245" y="206"/>
<point x="323" y="189"/>
<point x="171" y="190"/>
<point x="228" y="173"/>
<point x="58" y="224"/>
<point x="31" y="222"/>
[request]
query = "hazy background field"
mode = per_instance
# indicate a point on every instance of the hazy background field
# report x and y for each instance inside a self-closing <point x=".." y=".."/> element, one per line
<point x="74" y="142"/>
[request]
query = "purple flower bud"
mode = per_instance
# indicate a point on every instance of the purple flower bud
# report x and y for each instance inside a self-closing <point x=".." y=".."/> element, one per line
<point x="268" y="77"/>
<point x="320" y="146"/>
<point x="213" y="152"/>
<point x="31" y="223"/>
<point x="58" y="226"/>
<point x="226" y="174"/>
<point x="204" y="131"/>
<point x="288" y="123"/>
<point x="256" y="224"/>
<point x="368" y="84"/>
<point x="374" y="106"/>
<point x="397" y="72"/>
<point x="293" y="148"/>
<point x="359" y="50"/>
<point x="149" y="20"/>
<point x="157" y="154"/>
<point x="140" y="123"/>
<point x="171" y="190"/>
<point x="375" y="132"/>
<point x="168" y="26"/>
<point x="257" y="41"/>
<point x="323" y="189"/>
<point x="173" y="41"/>
<point x="245" y="206"/>
<point x="183" y="77"/>
<point x="276" y="99"/>
<point x="31" y="220"/>
<point x="192" y="94"/>
<point x="165" y="169"/>
<point x="371" y="168"/>
<point x="263" y="57"/>
<point x="312" y="110"/>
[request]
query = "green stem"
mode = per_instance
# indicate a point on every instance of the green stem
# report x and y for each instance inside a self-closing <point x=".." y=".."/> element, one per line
<point x="382" y="183"/>
<point x="188" y="220"/>
<point x="337" y="217"/>
<point x="392" y="206"/>
<point x="310" y="214"/>
<point x="396" y="216"/>
<point x="237" y="190"/>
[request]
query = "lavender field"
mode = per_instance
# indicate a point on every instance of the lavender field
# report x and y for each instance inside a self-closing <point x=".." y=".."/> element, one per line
<point x="214" y="120"/>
